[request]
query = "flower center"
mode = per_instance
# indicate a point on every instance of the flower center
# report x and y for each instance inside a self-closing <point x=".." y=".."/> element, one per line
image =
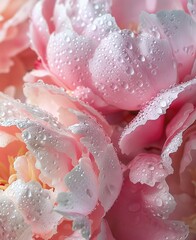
<point x="8" y="174"/>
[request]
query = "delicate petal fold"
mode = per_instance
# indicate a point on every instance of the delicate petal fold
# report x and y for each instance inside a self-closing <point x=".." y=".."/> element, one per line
<point x="99" y="145"/>
<point x="83" y="191"/>
<point x="156" y="108"/>
<point x="170" y="25"/>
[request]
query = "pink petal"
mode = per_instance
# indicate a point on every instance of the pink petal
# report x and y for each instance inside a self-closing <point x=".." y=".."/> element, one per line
<point x="170" y="25"/>
<point x="105" y="232"/>
<point x="62" y="102"/>
<point x="100" y="28"/>
<point x="84" y="12"/>
<point x="179" y="119"/>
<point x="147" y="169"/>
<point x="82" y="196"/>
<point x="126" y="74"/>
<point x="127" y="12"/>
<point x="68" y="55"/>
<point x="191" y="5"/>
<point x="35" y="205"/>
<point x="139" y="214"/>
<point x="12" y="225"/>
<point x="39" y="31"/>
<point x="98" y="144"/>
<point x="155" y="108"/>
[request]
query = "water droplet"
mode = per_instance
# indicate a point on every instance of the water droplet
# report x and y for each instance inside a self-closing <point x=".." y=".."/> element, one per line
<point x="89" y="193"/>
<point x="142" y="58"/>
<point x="159" y="202"/>
<point x="163" y="103"/>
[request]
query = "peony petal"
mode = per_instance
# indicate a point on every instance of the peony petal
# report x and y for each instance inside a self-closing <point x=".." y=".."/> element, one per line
<point x="191" y="5"/>
<point x="68" y="55"/>
<point x="83" y="195"/>
<point x="125" y="72"/>
<point x="100" y="28"/>
<point x="39" y="31"/>
<point x="84" y="12"/>
<point x="147" y="169"/>
<point x="93" y="138"/>
<point x="36" y="206"/>
<point x="170" y="25"/>
<point x="135" y="208"/>
<point x="12" y="224"/>
<point x="105" y="233"/>
<point x="61" y="103"/>
<point x="55" y="153"/>
<point x="155" y="108"/>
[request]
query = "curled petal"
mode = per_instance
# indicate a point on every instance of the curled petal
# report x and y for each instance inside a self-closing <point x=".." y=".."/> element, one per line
<point x="174" y="96"/>
<point x="82" y="196"/>
<point x="93" y="138"/>
<point x="147" y="169"/>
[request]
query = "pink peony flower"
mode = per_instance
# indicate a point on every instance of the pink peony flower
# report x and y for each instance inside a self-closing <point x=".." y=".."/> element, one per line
<point x="61" y="184"/>
<point x="162" y="139"/>
<point x="108" y="67"/>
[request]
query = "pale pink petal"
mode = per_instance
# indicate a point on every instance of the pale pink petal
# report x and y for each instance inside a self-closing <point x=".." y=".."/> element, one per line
<point x="139" y="214"/>
<point x="191" y="5"/>
<point x="86" y="95"/>
<point x="98" y="144"/>
<point x="169" y="26"/>
<point x="127" y="12"/>
<point x="83" y="12"/>
<point x="156" y="108"/>
<point x="61" y="20"/>
<point x="179" y="119"/>
<point x="12" y="223"/>
<point x="36" y="206"/>
<point x="100" y="28"/>
<point x="62" y="102"/>
<point x="126" y="73"/>
<point x="55" y="153"/>
<point x="83" y="225"/>
<point x="83" y="191"/>
<point x="68" y="54"/>
<point x="105" y="233"/>
<point x="39" y="31"/>
<point x="147" y="169"/>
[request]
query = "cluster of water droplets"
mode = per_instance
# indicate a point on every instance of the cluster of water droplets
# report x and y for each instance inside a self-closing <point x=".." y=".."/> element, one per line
<point x="68" y="55"/>
<point x="11" y="220"/>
